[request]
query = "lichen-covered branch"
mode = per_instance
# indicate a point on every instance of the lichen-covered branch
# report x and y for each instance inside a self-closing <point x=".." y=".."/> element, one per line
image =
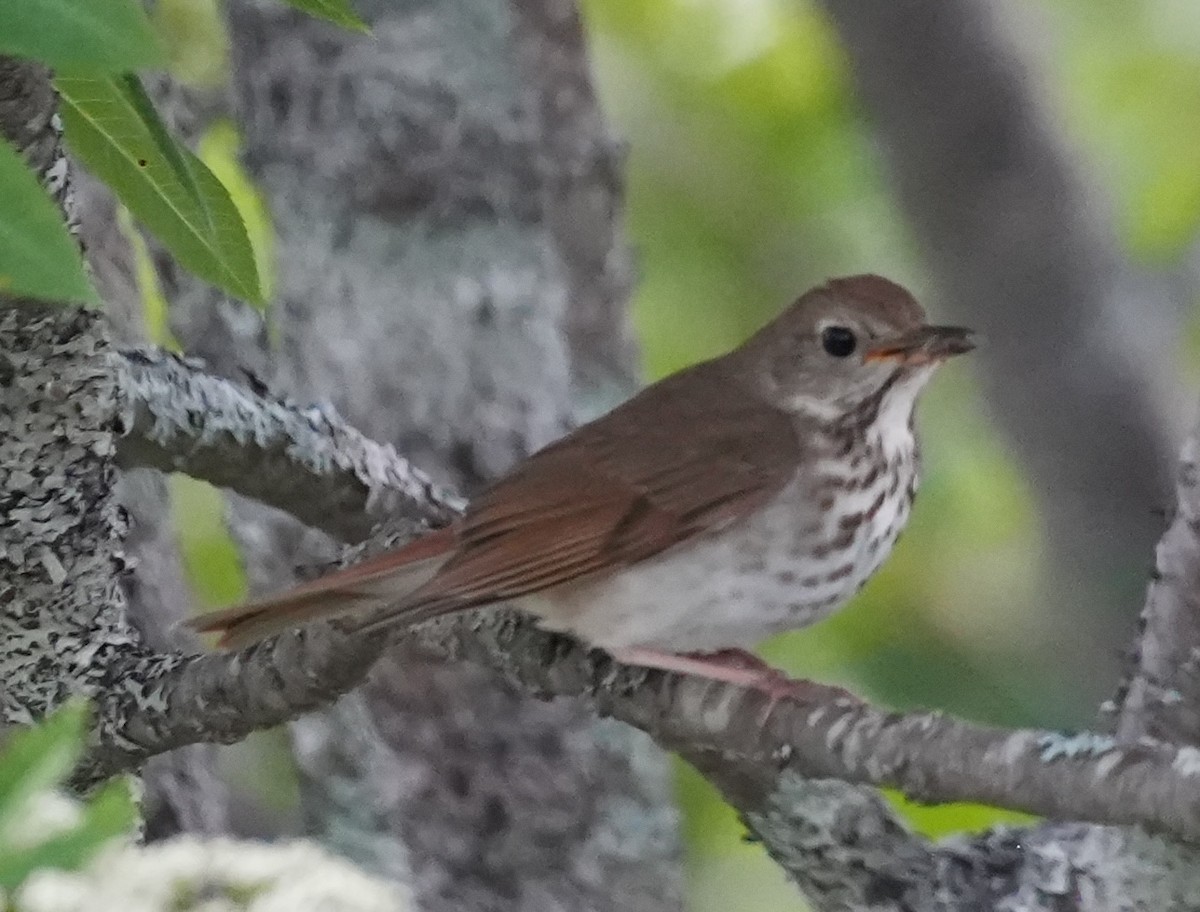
<point x="306" y="461"/>
<point x="1162" y="699"/>
<point x="745" y="745"/>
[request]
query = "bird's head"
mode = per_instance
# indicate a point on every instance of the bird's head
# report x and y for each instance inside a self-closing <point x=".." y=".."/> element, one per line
<point x="850" y="344"/>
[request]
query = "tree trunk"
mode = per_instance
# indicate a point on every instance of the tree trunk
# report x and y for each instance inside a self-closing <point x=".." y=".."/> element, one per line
<point x="449" y="279"/>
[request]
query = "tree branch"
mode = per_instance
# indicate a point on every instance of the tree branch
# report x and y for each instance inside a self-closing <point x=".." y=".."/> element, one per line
<point x="746" y="746"/>
<point x="306" y="461"/>
<point x="1162" y="699"/>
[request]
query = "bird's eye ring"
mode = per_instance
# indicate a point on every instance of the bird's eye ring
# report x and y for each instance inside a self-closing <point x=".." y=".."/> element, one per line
<point x="838" y="341"/>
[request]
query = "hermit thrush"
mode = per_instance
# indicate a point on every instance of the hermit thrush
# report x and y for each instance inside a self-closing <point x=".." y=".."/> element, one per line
<point x="744" y="496"/>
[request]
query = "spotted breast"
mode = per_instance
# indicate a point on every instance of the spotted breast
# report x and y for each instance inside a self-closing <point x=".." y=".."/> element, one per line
<point x="786" y="566"/>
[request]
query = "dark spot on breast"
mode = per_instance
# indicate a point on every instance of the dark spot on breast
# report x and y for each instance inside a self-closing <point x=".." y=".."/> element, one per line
<point x="822" y="550"/>
<point x="842" y="540"/>
<point x="872" y="475"/>
<point x="899" y="478"/>
<point x="877" y="504"/>
<point x="840" y="573"/>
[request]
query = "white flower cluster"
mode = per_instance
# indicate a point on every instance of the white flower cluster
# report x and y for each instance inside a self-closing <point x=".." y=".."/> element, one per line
<point x="43" y="816"/>
<point x="212" y="875"/>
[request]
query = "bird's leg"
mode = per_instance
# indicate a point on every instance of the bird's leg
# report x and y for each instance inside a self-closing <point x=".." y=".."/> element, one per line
<point x="731" y="666"/>
<point x="738" y="658"/>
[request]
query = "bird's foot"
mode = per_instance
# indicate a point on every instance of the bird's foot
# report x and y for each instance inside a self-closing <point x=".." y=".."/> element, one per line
<point x="731" y="666"/>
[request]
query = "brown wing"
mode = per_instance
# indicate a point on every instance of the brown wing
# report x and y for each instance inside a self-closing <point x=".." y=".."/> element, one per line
<point x="684" y="457"/>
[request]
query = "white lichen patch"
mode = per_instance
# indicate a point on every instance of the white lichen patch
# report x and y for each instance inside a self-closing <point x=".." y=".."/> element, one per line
<point x="191" y="875"/>
<point x="1187" y="762"/>
<point x="1073" y="747"/>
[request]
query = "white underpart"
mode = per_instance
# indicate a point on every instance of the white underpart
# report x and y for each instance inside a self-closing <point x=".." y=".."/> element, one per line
<point x="893" y="428"/>
<point x="769" y="573"/>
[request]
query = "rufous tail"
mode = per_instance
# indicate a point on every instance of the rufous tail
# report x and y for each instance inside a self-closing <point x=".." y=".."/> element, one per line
<point x="377" y="583"/>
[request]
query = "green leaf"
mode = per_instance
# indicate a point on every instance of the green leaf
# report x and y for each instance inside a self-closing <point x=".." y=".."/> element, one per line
<point x="112" y="36"/>
<point x="336" y="11"/>
<point x="38" y="256"/>
<point x="111" y="813"/>
<point x="219" y="148"/>
<point x="39" y="758"/>
<point x="113" y="127"/>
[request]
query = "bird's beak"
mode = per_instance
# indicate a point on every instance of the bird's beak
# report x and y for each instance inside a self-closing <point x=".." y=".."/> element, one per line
<point x="922" y="346"/>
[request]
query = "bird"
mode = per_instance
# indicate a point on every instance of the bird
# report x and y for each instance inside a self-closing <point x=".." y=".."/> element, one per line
<point x="741" y="497"/>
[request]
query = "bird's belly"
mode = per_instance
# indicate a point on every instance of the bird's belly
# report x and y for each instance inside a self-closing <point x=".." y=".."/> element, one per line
<point x="787" y="566"/>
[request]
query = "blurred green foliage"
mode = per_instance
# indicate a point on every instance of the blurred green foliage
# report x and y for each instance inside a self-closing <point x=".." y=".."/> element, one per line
<point x="1128" y="78"/>
<point x="38" y="257"/>
<point x="39" y="829"/>
<point x="753" y="175"/>
<point x="197" y="44"/>
<point x="210" y="558"/>
<point x="77" y="33"/>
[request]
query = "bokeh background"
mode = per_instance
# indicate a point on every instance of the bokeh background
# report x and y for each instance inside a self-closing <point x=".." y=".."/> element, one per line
<point x="753" y="173"/>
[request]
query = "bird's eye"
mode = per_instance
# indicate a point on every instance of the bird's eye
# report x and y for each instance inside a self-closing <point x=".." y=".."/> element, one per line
<point x="838" y="341"/>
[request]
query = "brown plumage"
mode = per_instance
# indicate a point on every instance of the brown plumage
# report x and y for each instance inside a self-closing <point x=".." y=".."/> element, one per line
<point x="732" y="454"/>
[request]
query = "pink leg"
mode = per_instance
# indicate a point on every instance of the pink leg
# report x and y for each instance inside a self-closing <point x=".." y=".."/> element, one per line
<point x="732" y="666"/>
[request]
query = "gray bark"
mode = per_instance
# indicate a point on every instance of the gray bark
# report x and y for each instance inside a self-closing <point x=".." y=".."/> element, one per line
<point x="72" y="568"/>
<point x="580" y="166"/>
<point x="59" y="519"/>
<point x="1163" y="696"/>
<point x="1021" y="247"/>
<point x="183" y="792"/>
